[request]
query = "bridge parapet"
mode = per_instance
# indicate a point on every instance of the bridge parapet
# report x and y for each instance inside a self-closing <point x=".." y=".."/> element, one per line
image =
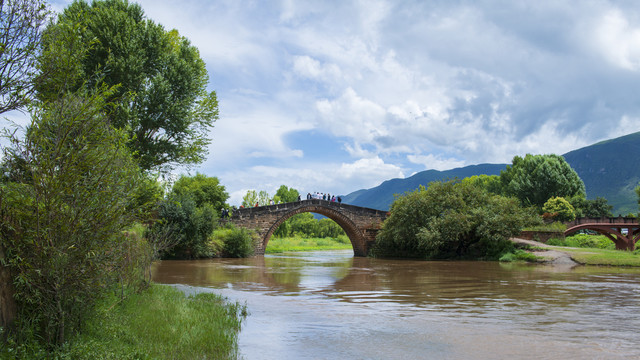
<point x="602" y="220"/>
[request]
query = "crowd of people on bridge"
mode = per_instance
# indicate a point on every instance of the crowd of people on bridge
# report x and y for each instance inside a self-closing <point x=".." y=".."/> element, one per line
<point x="322" y="196"/>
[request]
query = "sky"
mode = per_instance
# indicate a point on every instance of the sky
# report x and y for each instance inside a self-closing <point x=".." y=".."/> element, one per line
<point x="337" y="96"/>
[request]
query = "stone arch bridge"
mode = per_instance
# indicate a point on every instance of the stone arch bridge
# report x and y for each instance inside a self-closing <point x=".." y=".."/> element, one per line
<point x="361" y="224"/>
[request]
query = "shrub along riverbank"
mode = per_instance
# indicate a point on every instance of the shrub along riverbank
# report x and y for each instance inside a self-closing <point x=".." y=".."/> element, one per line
<point x="160" y="322"/>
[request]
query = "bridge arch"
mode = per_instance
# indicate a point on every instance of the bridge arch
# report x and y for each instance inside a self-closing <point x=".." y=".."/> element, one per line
<point x="360" y="224"/>
<point x="349" y="227"/>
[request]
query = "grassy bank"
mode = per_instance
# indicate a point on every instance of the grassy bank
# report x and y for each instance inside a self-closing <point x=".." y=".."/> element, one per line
<point x="279" y="245"/>
<point x="594" y="250"/>
<point x="604" y="257"/>
<point x="159" y="323"/>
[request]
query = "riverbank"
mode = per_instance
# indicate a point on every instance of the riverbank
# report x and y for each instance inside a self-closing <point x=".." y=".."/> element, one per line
<point x="160" y="322"/>
<point x="562" y="255"/>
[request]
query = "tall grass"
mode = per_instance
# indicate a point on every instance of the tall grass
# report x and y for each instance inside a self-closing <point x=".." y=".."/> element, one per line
<point x="280" y="245"/>
<point x="159" y="323"/>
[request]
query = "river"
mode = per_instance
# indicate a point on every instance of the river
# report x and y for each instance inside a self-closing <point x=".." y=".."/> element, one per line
<point x="330" y="305"/>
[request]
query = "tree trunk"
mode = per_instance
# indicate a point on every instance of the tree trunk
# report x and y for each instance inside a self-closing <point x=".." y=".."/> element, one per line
<point x="8" y="308"/>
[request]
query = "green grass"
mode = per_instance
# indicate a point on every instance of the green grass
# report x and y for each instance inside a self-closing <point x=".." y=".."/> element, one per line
<point x="595" y="250"/>
<point x="606" y="257"/>
<point x="159" y="323"/>
<point x="280" y="245"/>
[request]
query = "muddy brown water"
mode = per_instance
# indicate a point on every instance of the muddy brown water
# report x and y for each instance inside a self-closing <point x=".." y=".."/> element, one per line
<point x="330" y="305"/>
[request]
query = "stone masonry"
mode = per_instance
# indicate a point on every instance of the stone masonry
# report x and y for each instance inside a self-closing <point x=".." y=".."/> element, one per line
<point x="360" y="224"/>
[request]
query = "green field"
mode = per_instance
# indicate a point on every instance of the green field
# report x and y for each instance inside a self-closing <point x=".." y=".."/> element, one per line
<point x="280" y="245"/>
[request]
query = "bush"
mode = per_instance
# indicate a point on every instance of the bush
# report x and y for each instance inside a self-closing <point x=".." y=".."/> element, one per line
<point x="584" y="241"/>
<point x="561" y="209"/>
<point x="451" y="220"/>
<point x="238" y="242"/>
<point x="189" y="227"/>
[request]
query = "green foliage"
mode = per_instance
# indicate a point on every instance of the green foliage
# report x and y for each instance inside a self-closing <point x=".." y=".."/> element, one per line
<point x="560" y="209"/>
<point x="64" y="223"/>
<point x="451" y="220"/>
<point x="554" y="226"/>
<point x="238" y="243"/>
<point x="146" y="198"/>
<point x="518" y="255"/>
<point x="186" y="226"/>
<point x="21" y="22"/>
<point x="536" y="178"/>
<point x="186" y="218"/>
<point x="595" y="208"/>
<point x="250" y="199"/>
<point x="490" y="183"/>
<point x="202" y="189"/>
<point x="286" y="194"/>
<point x="162" y="101"/>
<point x="584" y="241"/>
<point x="159" y="323"/>
<point x="305" y="225"/>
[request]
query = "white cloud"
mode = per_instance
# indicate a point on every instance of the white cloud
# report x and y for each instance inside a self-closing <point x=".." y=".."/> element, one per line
<point x="618" y="40"/>
<point x="406" y="86"/>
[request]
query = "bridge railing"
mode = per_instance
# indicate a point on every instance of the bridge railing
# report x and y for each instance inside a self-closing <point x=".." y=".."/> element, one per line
<point x="602" y="220"/>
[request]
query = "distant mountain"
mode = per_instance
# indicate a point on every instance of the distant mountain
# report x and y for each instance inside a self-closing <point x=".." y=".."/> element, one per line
<point x="381" y="196"/>
<point x="610" y="169"/>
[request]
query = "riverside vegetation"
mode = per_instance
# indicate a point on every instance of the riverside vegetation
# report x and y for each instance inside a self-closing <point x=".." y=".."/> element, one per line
<point x="82" y="213"/>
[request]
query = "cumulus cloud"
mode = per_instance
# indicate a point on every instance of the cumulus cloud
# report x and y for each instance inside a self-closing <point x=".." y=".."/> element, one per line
<point x="406" y="85"/>
<point x="618" y="40"/>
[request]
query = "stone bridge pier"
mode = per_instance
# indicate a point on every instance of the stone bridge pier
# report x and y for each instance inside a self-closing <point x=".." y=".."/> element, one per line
<point x="360" y="224"/>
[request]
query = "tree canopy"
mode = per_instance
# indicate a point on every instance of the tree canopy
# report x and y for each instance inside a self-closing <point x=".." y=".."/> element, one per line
<point x="21" y="22"/>
<point x="203" y="189"/>
<point x="535" y="179"/>
<point x="161" y="100"/>
<point x="286" y="194"/>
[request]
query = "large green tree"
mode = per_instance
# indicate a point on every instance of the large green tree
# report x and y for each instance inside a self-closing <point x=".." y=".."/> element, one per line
<point x="162" y="100"/>
<point x="535" y="179"/>
<point x="451" y="220"/>
<point x="21" y="22"/>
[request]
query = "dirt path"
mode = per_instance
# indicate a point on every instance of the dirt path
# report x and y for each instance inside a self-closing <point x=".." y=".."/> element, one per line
<point x="550" y="256"/>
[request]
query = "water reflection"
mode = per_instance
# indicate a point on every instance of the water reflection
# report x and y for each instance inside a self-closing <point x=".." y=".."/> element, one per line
<point x="317" y="296"/>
